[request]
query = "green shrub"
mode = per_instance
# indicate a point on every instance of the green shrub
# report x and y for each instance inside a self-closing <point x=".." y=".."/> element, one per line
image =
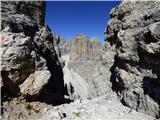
<point x="77" y="114"/>
<point x="89" y="98"/>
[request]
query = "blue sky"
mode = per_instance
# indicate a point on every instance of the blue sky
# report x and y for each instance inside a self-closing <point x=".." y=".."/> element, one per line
<point x="68" y="18"/>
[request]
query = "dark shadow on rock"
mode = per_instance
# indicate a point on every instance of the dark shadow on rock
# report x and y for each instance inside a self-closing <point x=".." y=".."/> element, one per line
<point x="151" y="87"/>
<point x="115" y="86"/>
<point x="52" y="93"/>
<point x="9" y="90"/>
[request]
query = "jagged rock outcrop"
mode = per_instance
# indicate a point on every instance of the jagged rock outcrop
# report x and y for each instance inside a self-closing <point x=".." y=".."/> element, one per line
<point x="80" y="47"/>
<point x="84" y="48"/>
<point x="64" y="46"/>
<point x="16" y="63"/>
<point x="29" y="64"/>
<point x="61" y="45"/>
<point x="134" y="33"/>
<point x="56" y="42"/>
<point x="17" y="13"/>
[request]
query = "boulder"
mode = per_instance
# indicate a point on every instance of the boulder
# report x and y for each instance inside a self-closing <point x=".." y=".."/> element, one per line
<point x="33" y="85"/>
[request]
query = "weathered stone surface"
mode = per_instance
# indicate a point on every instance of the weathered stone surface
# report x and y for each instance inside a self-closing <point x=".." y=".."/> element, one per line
<point x="16" y="60"/>
<point x="34" y="9"/>
<point x="155" y="31"/>
<point x="104" y="107"/>
<point x="80" y="47"/>
<point x="27" y="48"/>
<point x="44" y="46"/>
<point x="133" y="33"/>
<point x="19" y="23"/>
<point x="84" y="48"/>
<point x="62" y="46"/>
<point x="33" y="85"/>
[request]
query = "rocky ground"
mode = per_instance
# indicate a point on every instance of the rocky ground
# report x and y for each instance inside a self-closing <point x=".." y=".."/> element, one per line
<point x="105" y="107"/>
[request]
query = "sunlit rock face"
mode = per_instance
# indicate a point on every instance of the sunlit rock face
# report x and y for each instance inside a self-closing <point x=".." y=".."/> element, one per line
<point x="134" y="33"/>
<point x="85" y="68"/>
<point x="28" y="54"/>
<point x="83" y="47"/>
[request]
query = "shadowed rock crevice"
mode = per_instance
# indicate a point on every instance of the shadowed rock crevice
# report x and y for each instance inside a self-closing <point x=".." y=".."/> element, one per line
<point x="55" y="86"/>
<point x="151" y="86"/>
<point x="115" y="86"/>
<point x="7" y="88"/>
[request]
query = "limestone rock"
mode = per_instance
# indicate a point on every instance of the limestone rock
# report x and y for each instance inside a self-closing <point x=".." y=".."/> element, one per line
<point x="26" y="48"/>
<point x="32" y="9"/>
<point x="16" y="60"/>
<point x="64" y="46"/>
<point x="155" y="31"/>
<point x="84" y="48"/>
<point x="56" y="42"/>
<point x="133" y="32"/>
<point x="33" y="85"/>
<point x="80" y="47"/>
<point x="20" y="23"/>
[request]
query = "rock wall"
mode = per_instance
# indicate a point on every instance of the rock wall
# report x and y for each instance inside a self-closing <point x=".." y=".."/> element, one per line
<point x="61" y="45"/>
<point x="83" y="48"/>
<point x="134" y="34"/>
<point x="64" y="46"/>
<point x="34" y="9"/>
<point x="29" y="64"/>
<point x="80" y="47"/>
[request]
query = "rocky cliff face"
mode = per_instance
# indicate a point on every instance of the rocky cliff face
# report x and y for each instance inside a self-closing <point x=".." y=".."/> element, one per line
<point x="134" y="34"/>
<point x="13" y="13"/>
<point x="29" y="64"/>
<point x="85" y="69"/>
<point x="61" y="45"/>
<point x="83" y="48"/>
<point x="80" y="47"/>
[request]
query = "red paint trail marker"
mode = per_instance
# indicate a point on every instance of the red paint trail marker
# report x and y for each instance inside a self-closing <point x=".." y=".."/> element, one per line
<point x="2" y="37"/>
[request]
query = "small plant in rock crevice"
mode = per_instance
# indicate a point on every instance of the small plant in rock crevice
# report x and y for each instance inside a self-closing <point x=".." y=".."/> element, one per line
<point x="89" y="98"/>
<point x="77" y="114"/>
